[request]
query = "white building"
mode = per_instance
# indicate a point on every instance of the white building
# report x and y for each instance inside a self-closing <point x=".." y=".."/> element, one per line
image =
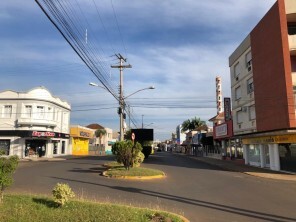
<point x="34" y="123"/>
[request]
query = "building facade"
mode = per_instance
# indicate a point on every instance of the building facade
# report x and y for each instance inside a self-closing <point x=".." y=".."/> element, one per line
<point x="80" y="137"/>
<point x="34" y="123"/>
<point x="263" y="88"/>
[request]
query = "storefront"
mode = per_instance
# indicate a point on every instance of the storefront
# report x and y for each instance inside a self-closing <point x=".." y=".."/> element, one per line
<point x="27" y="144"/>
<point x="223" y="138"/>
<point x="80" y="139"/>
<point x="274" y="152"/>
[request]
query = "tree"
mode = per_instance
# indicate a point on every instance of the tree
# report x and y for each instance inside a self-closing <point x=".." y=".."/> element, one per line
<point x="8" y="166"/>
<point x="128" y="135"/>
<point x="126" y="152"/>
<point x="192" y="124"/>
<point x="99" y="134"/>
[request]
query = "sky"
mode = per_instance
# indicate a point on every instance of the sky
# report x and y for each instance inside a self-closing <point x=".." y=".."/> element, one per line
<point x="177" y="46"/>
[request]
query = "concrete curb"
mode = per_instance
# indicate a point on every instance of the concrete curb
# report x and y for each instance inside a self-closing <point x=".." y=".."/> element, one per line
<point x="134" y="177"/>
<point x="42" y="159"/>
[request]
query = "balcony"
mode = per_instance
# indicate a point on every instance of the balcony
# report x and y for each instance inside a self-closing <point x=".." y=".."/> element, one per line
<point x="36" y="122"/>
<point x="292" y="44"/>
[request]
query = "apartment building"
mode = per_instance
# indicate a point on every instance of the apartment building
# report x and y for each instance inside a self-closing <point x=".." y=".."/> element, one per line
<point x="34" y="123"/>
<point x="263" y="88"/>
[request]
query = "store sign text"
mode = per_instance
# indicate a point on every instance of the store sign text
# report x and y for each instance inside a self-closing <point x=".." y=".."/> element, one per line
<point x="221" y="130"/>
<point x="42" y="134"/>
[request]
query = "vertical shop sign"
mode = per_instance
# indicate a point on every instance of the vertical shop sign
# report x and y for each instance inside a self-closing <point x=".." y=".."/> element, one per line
<point x="227" y="109"/>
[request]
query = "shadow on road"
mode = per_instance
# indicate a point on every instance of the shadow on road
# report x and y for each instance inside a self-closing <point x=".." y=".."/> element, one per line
<point x="168" y="159"/>
<point x="200" y="203"/>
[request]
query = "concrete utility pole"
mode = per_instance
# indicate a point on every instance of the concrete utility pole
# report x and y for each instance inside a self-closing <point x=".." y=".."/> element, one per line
<point x="121" y="98"/>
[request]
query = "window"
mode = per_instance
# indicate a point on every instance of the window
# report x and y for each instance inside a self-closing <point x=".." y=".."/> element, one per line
<point x="238" y="93"/>
<point x="250" y="86"/>
<point x="252" y="113"/>
<point x="40" y="112"/>
<point x="28" y="111"/>
<point x="50" y="113"/>
<point x="5" y="146"/>
<point x="7" y="111"/>
<point x="237" y="70"/>
<point x="249" y="61"/>
<point x="239" y="117"/>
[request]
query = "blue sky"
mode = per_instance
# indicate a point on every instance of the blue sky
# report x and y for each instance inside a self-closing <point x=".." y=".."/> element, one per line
<point x="177" y="46"/>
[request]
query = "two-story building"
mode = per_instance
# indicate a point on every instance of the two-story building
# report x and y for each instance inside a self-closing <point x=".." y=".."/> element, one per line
<point x="34" y="123"/>
<point x="263" y="88"/>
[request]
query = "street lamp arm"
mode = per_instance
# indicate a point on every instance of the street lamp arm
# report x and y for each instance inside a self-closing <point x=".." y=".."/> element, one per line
<point x="151" y="87"/>
<point x="102" y="87"/>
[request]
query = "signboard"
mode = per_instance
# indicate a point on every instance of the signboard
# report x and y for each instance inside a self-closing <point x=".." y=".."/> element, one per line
<point x="271" y="139"/>
<point x="221" y="130"/>
<point x="227" y="109"/>
<point x="42" y="134"/>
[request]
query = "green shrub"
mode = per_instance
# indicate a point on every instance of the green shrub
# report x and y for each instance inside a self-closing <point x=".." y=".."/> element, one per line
<point x="62" y="193"/>
<point x="139" y="159"/>
<point x="126" y="152"/>
<point x="8" y="166"/>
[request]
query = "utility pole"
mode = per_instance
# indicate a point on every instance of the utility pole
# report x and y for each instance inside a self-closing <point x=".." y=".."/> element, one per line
<point x="142" y="122"/>
<point x="121" y="98"/>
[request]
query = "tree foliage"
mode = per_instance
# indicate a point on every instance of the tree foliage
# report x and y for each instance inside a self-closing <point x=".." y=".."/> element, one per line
<point x="192" y="124"/>
<point x="126" y="152"/>
<point x="8" y="166"/>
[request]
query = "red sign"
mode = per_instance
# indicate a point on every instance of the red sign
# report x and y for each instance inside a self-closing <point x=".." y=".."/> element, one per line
<point x="42" y="134"/>
<point x="133" y="136"/>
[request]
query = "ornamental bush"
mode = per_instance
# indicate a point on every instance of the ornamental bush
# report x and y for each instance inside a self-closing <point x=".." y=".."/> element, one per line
<point x="8" y="166"/>
<point x="62" y="193"/>
<point x="126" y="152"/>
<point x="139" y="159"/>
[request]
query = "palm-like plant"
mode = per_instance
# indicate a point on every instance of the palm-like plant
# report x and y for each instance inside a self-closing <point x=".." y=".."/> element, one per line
<point x="99" y="134"/>
<point x="192" y="124"/>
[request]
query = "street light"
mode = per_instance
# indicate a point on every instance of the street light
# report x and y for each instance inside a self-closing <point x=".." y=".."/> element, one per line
<point x="150" y="87"/>
<point x="148" y="124"/>
<point x="94" y="84"/>
<point x="121" y="104"/>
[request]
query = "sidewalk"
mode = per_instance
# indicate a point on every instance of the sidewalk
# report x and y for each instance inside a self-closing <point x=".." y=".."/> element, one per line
<point x="41" y="159"/>
<point x="250" y="170"/>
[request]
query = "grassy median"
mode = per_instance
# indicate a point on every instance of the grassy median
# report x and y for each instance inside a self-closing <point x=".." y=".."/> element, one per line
<point x="33" y="208"/>
<point x="117" y="170"/>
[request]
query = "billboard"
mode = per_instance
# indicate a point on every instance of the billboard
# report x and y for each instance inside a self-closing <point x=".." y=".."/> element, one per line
<point x="143" y="134"/>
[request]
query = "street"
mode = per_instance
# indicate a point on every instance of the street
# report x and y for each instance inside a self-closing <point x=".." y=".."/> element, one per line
<point x="196" y="190"/>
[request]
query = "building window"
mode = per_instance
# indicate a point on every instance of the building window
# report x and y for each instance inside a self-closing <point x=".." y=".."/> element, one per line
<point x="7" y="111"/>
<point x="239" y="117"/>
<point x="40" y="112"/>
<point x="250" y="86"/>
<point x="252" y="113"/>
<point x="50" y="113"/>
<point x="5" y="146"/>
<point x="238" y="93"/>
<point x="237" y="69"/>
<point x="249" y="61"/>
<point x="28" y="111"/>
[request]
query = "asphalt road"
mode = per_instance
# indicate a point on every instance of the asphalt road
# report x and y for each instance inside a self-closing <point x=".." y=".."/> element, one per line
<point x="198" y="191"/>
